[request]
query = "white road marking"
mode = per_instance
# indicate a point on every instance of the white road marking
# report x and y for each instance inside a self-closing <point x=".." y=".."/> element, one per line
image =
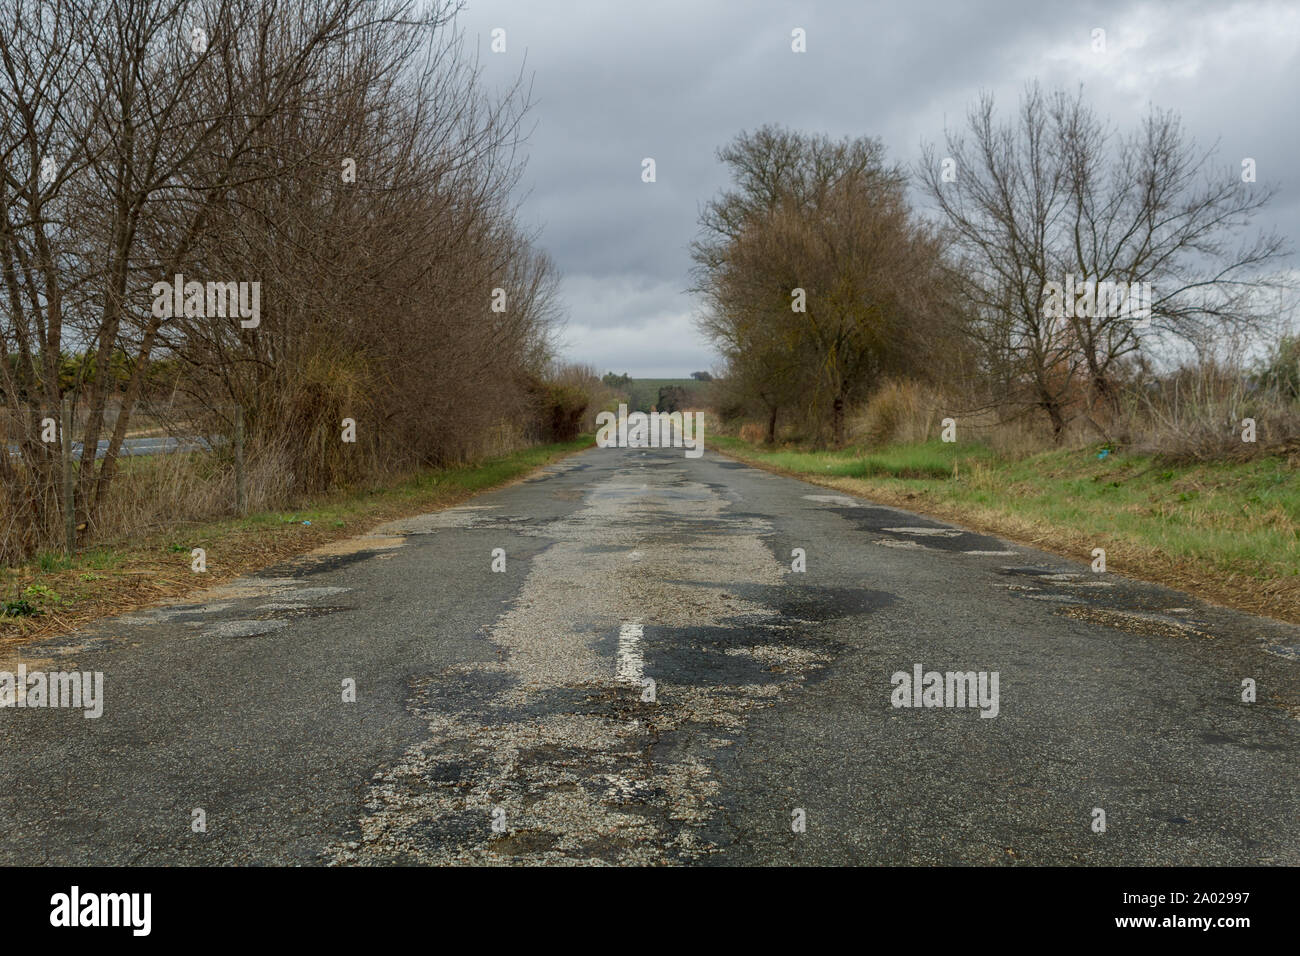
<point x="992" y="553"/>
<point x="630" y="663"/>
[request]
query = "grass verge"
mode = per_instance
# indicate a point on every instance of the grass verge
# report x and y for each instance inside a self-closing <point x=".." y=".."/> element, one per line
<point x="54" y="593"/>
<point x="1225" y="531"/>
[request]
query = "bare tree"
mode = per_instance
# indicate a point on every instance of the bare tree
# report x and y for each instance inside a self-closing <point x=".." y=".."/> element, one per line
<point x="339" y="155"/>
<point x="1057" y="200"/>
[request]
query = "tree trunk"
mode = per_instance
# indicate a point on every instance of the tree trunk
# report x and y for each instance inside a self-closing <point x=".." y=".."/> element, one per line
<point x="1105" y="392"/>
<point x="1053" y="409"/>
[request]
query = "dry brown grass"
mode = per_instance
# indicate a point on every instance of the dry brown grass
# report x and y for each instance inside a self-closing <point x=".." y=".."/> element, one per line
<point x="1198" y="414"/>
<point x="899" y="411"/>
<point x="909" y="412"/>
<point x="1195" y="414"/>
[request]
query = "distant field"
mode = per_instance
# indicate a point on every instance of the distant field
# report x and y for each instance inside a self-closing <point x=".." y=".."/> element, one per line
<point x="644" y="392"/>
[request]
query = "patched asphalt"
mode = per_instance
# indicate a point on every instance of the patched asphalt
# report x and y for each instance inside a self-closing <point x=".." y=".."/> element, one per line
<point x="648" y="681"/>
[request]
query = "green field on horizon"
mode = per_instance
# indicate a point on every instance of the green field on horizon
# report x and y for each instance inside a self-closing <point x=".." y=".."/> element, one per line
<point x="643" y="393"/>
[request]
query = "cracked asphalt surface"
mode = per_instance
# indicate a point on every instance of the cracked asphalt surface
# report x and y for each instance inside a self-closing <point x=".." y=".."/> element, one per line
<point x="648" y="681"/>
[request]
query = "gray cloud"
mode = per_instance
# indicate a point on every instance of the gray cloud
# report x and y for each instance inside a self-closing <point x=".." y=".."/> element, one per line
<point x="674" y="80"/>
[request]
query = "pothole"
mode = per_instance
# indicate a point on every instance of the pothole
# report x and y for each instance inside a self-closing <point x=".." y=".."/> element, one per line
<point x="903" y="545"/>
<point x="842" y="500"/>
<point x="243" y="628"/>
<point x="1134" y="622"/>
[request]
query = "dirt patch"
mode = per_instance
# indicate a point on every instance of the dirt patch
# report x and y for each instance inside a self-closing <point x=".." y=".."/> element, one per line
<point x="1132" y="621"/>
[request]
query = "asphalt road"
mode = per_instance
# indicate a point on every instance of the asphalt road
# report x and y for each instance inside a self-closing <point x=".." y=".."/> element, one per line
<point x="160" y="445"/>
<point x="502" y="716"/>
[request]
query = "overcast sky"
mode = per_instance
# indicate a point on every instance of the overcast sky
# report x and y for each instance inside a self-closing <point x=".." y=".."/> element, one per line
<point x="617" y="81"/>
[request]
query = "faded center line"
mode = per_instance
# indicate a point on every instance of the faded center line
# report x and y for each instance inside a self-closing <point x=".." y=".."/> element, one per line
<point x="630" y="664"/>
<point x="563" y="758"/>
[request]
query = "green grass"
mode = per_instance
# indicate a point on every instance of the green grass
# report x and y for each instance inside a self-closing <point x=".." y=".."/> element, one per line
<point x="53" y="561"/>
<point x="1229" y="521"/>
<point x="19" y="608"/>
<point x="931" y="460"/>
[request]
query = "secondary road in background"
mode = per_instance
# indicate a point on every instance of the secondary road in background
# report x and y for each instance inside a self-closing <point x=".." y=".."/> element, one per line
<point x="162" y="445"/>
<point x="508" y="716"/>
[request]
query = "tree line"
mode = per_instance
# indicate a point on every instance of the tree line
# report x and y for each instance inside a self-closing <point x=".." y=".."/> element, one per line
<point x="340" y="157"/>
<point x="819" y="281"/>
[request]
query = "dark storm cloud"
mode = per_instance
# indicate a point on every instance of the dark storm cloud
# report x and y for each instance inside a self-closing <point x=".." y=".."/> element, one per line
<point x="614" y="82"/>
